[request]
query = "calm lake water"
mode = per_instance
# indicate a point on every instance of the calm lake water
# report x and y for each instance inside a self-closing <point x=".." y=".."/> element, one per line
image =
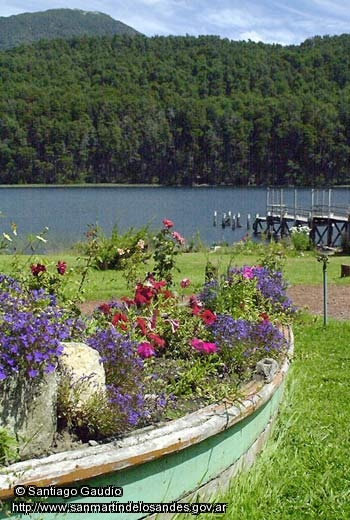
<point x="67" y="211"/>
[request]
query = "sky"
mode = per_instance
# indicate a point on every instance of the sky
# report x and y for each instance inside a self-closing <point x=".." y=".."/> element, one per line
<point x="270" y="21"/>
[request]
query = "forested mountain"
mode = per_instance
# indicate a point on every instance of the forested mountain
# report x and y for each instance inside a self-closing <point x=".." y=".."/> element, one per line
<point x="176" y="110"/>
<point x="57" y="23"/>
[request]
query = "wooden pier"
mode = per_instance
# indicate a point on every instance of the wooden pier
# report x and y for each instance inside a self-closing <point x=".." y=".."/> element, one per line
<point x="328" y="224"/>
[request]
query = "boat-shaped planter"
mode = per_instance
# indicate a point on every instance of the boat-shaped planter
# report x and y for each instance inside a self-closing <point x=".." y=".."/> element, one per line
<point x="174" y="463"/>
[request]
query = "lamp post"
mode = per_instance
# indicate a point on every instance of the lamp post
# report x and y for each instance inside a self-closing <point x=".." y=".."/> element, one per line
<point x="324" y="259"/>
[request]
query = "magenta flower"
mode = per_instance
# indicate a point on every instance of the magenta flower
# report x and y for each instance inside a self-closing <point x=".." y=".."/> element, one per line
<point x="168" y="223"/>
<point x="209" y="348"/>
<point x="247" y="273"/>
<point x="185" y="282"/>
<point x="145" y="350"/>
<point x="203" y="346"/>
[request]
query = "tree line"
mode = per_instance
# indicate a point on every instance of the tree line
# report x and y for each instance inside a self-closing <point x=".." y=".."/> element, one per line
<point x="176" y="111"/>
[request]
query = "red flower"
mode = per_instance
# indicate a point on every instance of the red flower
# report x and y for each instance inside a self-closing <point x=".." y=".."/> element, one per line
<point x="156" y="339"/>
<point x="105" y="308"/>
<point x="264" y="316"/>
<point x="208" y="317"/>
<point x="143" y="295"/>
<point x="157" y="285"/>
<point x="168" y="223"/>
<point x="127" y="301"/>
<point x="168" y="294"/>
<point x="141" y="323"/>
<point x="119" y="320"/>
<point x="37" y="269"/>
<point x="61" y="267"/>
<point x="145" y="350"/>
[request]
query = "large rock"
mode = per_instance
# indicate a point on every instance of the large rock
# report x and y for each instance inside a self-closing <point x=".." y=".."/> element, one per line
<point x="267" y="368"/>
<point x="82" y="364"/>
<point x="28" y="412"/>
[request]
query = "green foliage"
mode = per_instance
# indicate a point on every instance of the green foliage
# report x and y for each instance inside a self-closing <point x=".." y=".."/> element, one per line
<point x="273" y="256"/>
<point x="194" y="377"/>
<point x="8" y="447"/>
<point x="300" y="238"/>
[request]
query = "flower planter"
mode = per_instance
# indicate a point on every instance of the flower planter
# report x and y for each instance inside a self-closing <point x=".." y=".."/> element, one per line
<point x="179" y="460"/>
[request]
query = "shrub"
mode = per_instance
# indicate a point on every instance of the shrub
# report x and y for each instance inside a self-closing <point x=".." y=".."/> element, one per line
<point x="300" y="238"/>
<point x="116" y="250"/>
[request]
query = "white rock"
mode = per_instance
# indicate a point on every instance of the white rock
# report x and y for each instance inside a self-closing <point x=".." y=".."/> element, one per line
<point x="83" y="365"/>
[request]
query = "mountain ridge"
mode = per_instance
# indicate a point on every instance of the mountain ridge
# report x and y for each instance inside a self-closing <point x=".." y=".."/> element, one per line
<point x="26" y="28"/>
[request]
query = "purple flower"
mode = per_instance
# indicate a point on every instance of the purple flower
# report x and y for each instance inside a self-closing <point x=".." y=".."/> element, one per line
<point x="31" y="330"/>
<point x="123" y="368"/>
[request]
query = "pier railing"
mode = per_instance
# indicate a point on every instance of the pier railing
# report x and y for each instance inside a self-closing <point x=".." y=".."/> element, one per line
<point x="317" y="210"/>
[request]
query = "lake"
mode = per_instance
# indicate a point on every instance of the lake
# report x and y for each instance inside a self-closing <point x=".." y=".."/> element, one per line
<point x="67" y="211"/>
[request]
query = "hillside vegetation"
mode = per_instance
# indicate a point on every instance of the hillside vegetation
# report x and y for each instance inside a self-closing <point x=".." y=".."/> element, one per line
<point x="57" y="23"/>
<point x="176" y="110"/>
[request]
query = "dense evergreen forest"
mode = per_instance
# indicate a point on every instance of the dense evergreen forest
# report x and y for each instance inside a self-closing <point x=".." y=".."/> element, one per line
<point x="176" y="110"/>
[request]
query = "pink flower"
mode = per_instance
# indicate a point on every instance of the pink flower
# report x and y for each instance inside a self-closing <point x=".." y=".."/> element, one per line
<point x="61" y="267"/>
<point x="203" y="346"/>
<point x="168" y="223"/>
<point x="174" y="324"/>
<point x="185" y="282"/>
<point x="179" y="239"/>
<point x="145" y="350"/>
<point x="247" y="273"/>
<point x="196" y="343"/>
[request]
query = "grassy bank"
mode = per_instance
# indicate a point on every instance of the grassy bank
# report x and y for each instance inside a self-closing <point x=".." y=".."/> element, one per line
<point x="303" y="471"/>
